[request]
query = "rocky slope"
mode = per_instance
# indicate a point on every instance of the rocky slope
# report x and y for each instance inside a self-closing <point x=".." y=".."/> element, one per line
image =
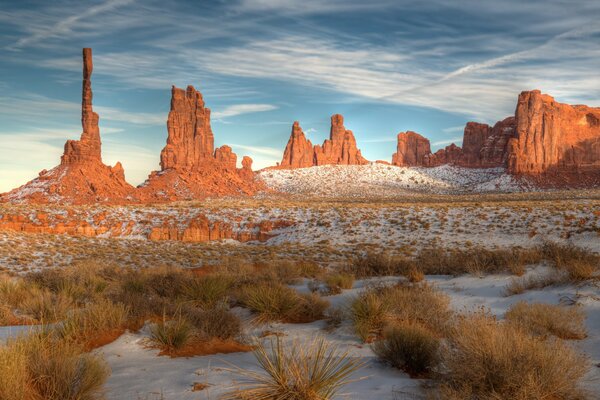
<point x="339" y="149"/>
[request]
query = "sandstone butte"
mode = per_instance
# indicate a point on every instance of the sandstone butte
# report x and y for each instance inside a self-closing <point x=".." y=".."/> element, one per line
<point x="81" y="176"/>
<point x="339" y="149"/>
<point x="554" y="142"/>
<point x="190" y="166"/>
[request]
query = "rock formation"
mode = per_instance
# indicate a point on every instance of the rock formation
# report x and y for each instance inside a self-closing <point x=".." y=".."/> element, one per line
<point x="450" y="154"/>
<point x="339" y="149"/>
<point x="554" y="138"/>
<point x="413" y="150"/>
<point x="81" y="176"/>
<point x="485" y="146"/>
<point x="191" y="167"/>
<point x="299" y="151"/>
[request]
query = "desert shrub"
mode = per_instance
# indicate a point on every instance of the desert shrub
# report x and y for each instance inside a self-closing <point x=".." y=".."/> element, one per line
<point x="415" y="275"/>
<point x="547" y="319"/>
<point x="379" y="264"/>
<point x="316" y="370"/>
<point x="338" y="280"/>
<point x="40" y="366"/>
<point x="172" y="334"/>
<point x="13" y="292"/>
<point x="484" y="359"/>
<point x="404" y="303"/>
<point x="334" y="316"/>
<point x="309" y="269"/>
<point x="94" y="321"/>
<point x="166" y="282"/>
<point x="46" y="306"/>
<point x="409" y="347"/>
<point x="522" y="284"/>
<point x="218" y="322"/>
<point x="475" y="260"/>
<point x="310" y="307"/>
<point x="209" y="290"/>
<point x="276" y="302"/>
<point x="419" y="303"/>
<point x="271" y="302"/>
<point x="579" y="263"/>
<point x="369" y="313"/>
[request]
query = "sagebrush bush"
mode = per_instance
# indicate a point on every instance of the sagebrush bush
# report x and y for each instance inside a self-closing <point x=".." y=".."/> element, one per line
<point x="547" y="319"/>
<point x="484" y="359"/>
<point x="315" y="370"/>
<point x="409" y="347"/>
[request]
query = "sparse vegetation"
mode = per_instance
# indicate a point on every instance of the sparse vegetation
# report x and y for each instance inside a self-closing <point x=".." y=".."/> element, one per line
<point x="487" y="359"/>
<point x="409" y="347"/>
<point x="315" y="370"/>
<point x="547" y="319"/>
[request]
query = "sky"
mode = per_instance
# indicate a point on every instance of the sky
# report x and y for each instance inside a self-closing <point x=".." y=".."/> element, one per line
<point x="387" y="65"/>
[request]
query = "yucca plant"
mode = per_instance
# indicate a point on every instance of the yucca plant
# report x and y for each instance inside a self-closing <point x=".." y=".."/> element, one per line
<point x="309" y="371"/>
<point x="170" y="335"/>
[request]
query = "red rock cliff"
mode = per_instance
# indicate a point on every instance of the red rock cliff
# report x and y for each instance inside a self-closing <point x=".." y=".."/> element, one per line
<point x="552" y="137"/>
<point x="413" y="150"/>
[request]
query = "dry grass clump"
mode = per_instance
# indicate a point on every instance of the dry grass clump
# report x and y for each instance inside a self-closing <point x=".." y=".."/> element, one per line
<point x="41" y="366"/>
<point x="46" y="307"/>
<point x="547" y="319"/>
<point x="485" y="359"/>
<point x="218" y="322"/>
<point x="580" y="264"/>
<point x="409" y="347"/>
<point x="309" y="371"/>
<point x="277" y="302"/>
<point x="209" y="290"/>
<point x="96" y="324"/>
<point x="522" y="284"/>
<point x="173" y="334"/>
<point x="402" y="303"/>
<point x="335" y="282"/>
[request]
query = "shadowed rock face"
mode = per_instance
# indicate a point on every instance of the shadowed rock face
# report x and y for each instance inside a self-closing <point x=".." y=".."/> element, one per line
<point x="339" y="149"/>
<point x="485" y="146"/>
<point x="554" y="137"/>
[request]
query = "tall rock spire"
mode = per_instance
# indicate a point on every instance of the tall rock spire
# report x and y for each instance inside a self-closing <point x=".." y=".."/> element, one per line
<point x="88" y="148"/>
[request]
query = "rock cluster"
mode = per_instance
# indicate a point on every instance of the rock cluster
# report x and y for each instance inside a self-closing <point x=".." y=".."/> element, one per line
<point x="558" y="143"/>
<point x="81" y="176"/>
<point x="190" y="166"/>
<point x="339" y="149"/>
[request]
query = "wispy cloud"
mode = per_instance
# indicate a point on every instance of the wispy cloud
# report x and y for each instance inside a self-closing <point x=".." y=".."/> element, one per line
<point x="239" y="109"/>
<point x="65" y="26"/>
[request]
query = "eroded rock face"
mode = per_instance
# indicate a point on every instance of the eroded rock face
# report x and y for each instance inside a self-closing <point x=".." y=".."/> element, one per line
<point x="339" y="149"/>
<point x="191" y="168"/>
<point x="413" y="150"/>
<point x="81" y="176"/>
<point x="552" y="137"/>
<point x="190" y="140"/>
<point x="450" y="154"/>
<point x="485" y="146"/>
<point x="299" y="151"/>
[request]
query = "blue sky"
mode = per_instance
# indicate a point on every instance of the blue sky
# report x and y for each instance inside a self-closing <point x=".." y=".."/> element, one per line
<point x="386" y="65"/>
